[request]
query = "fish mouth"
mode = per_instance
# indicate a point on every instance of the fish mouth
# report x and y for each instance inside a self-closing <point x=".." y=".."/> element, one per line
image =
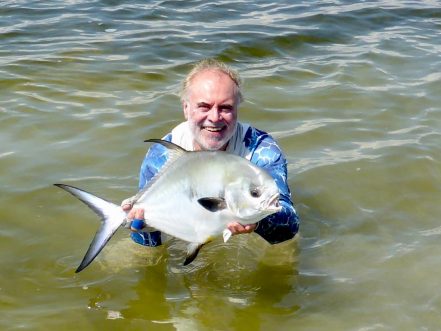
<point x="273" y="203"/>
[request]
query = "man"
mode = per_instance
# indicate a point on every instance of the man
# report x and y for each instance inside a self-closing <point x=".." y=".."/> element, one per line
<point x="210" y="99"/>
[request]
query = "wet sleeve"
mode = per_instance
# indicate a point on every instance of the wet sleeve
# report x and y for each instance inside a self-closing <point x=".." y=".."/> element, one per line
<point x="284" y="224"/>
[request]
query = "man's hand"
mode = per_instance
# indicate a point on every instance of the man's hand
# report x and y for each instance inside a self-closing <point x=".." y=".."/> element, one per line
<point x="136" y="215"/>
<point x="237" y="228"/>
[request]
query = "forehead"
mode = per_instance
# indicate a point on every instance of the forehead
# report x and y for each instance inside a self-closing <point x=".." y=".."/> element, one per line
<point x="213" y="83"/>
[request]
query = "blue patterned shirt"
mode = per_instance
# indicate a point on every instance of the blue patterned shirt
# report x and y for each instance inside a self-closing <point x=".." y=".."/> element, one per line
<point x="264" y="152"/>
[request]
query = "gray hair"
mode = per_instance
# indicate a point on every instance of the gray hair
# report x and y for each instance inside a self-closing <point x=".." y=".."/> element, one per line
<point x="211" y="64"/>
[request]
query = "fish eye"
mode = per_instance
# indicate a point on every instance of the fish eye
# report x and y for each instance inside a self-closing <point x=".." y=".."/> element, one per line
<point x="255" y="192"/>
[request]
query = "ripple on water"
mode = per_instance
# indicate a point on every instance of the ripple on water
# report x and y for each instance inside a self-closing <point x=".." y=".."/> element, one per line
<point x="351" y="92"/>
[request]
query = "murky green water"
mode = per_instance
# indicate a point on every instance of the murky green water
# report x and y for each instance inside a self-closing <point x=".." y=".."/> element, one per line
<point x="352" y="91"/>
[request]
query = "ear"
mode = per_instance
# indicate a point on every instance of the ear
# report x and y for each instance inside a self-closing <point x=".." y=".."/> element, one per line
<point x="185" y="108"/>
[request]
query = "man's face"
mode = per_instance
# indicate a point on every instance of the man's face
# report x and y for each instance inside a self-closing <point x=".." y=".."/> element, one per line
<point x="211" y="109"/>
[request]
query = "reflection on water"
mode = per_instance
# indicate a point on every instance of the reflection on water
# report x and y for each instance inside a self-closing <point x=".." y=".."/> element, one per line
<point x="217" y="295"/>
<point x="351" y="90"/>
<point x="244" y="277"/>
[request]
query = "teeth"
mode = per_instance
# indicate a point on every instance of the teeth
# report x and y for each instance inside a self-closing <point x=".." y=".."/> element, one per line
<point x="213" y="129"/>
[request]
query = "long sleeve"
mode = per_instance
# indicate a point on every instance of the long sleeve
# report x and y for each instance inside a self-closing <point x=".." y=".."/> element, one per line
<point x="267" y="155"/>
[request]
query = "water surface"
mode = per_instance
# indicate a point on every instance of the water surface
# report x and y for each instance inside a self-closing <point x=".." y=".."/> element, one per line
<point x="350" y="90"/>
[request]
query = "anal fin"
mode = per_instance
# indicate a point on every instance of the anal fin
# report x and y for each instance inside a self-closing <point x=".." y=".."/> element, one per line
<point x="192" y="251"/>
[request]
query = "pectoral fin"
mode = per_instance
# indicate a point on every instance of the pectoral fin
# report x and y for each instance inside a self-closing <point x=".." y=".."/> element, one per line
<point x="192" y="251"/>
<point x="226" y="234"/>
<point x="213" y="204"/>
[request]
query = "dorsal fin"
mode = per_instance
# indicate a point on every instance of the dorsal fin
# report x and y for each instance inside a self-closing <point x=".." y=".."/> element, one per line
<point x="174" y="153"/>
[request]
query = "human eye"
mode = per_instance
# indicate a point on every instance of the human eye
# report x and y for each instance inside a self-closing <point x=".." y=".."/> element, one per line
<point x="203" y="106"/>
<point x="226" y="108"/>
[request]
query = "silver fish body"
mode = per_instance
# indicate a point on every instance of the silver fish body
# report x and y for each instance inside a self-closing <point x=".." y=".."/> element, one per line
<point x="193" y="198"/>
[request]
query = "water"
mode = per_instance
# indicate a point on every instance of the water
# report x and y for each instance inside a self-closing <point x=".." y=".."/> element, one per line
<point x="350" y="90"/>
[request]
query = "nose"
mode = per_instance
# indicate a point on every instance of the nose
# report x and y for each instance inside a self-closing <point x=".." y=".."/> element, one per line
<point x="214" y="115"/>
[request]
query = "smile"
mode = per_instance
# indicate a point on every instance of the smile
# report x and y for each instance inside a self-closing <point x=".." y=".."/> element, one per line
<point x="213" y="129"/>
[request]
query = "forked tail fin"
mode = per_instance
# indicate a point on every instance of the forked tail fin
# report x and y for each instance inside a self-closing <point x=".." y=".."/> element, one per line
<point x="112" y="217"/>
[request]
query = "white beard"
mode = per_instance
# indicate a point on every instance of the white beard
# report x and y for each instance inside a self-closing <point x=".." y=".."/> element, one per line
<point x="208" y="144"/>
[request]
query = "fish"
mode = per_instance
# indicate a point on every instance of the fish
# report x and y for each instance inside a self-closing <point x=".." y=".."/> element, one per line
<point x="193" y="197"/>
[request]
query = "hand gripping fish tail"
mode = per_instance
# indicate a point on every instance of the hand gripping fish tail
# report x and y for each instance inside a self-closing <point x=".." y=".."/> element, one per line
<point x="112" y="217"/>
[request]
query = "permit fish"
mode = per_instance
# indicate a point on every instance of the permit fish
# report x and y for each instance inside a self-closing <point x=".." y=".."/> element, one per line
<point x="193" y="198"/>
